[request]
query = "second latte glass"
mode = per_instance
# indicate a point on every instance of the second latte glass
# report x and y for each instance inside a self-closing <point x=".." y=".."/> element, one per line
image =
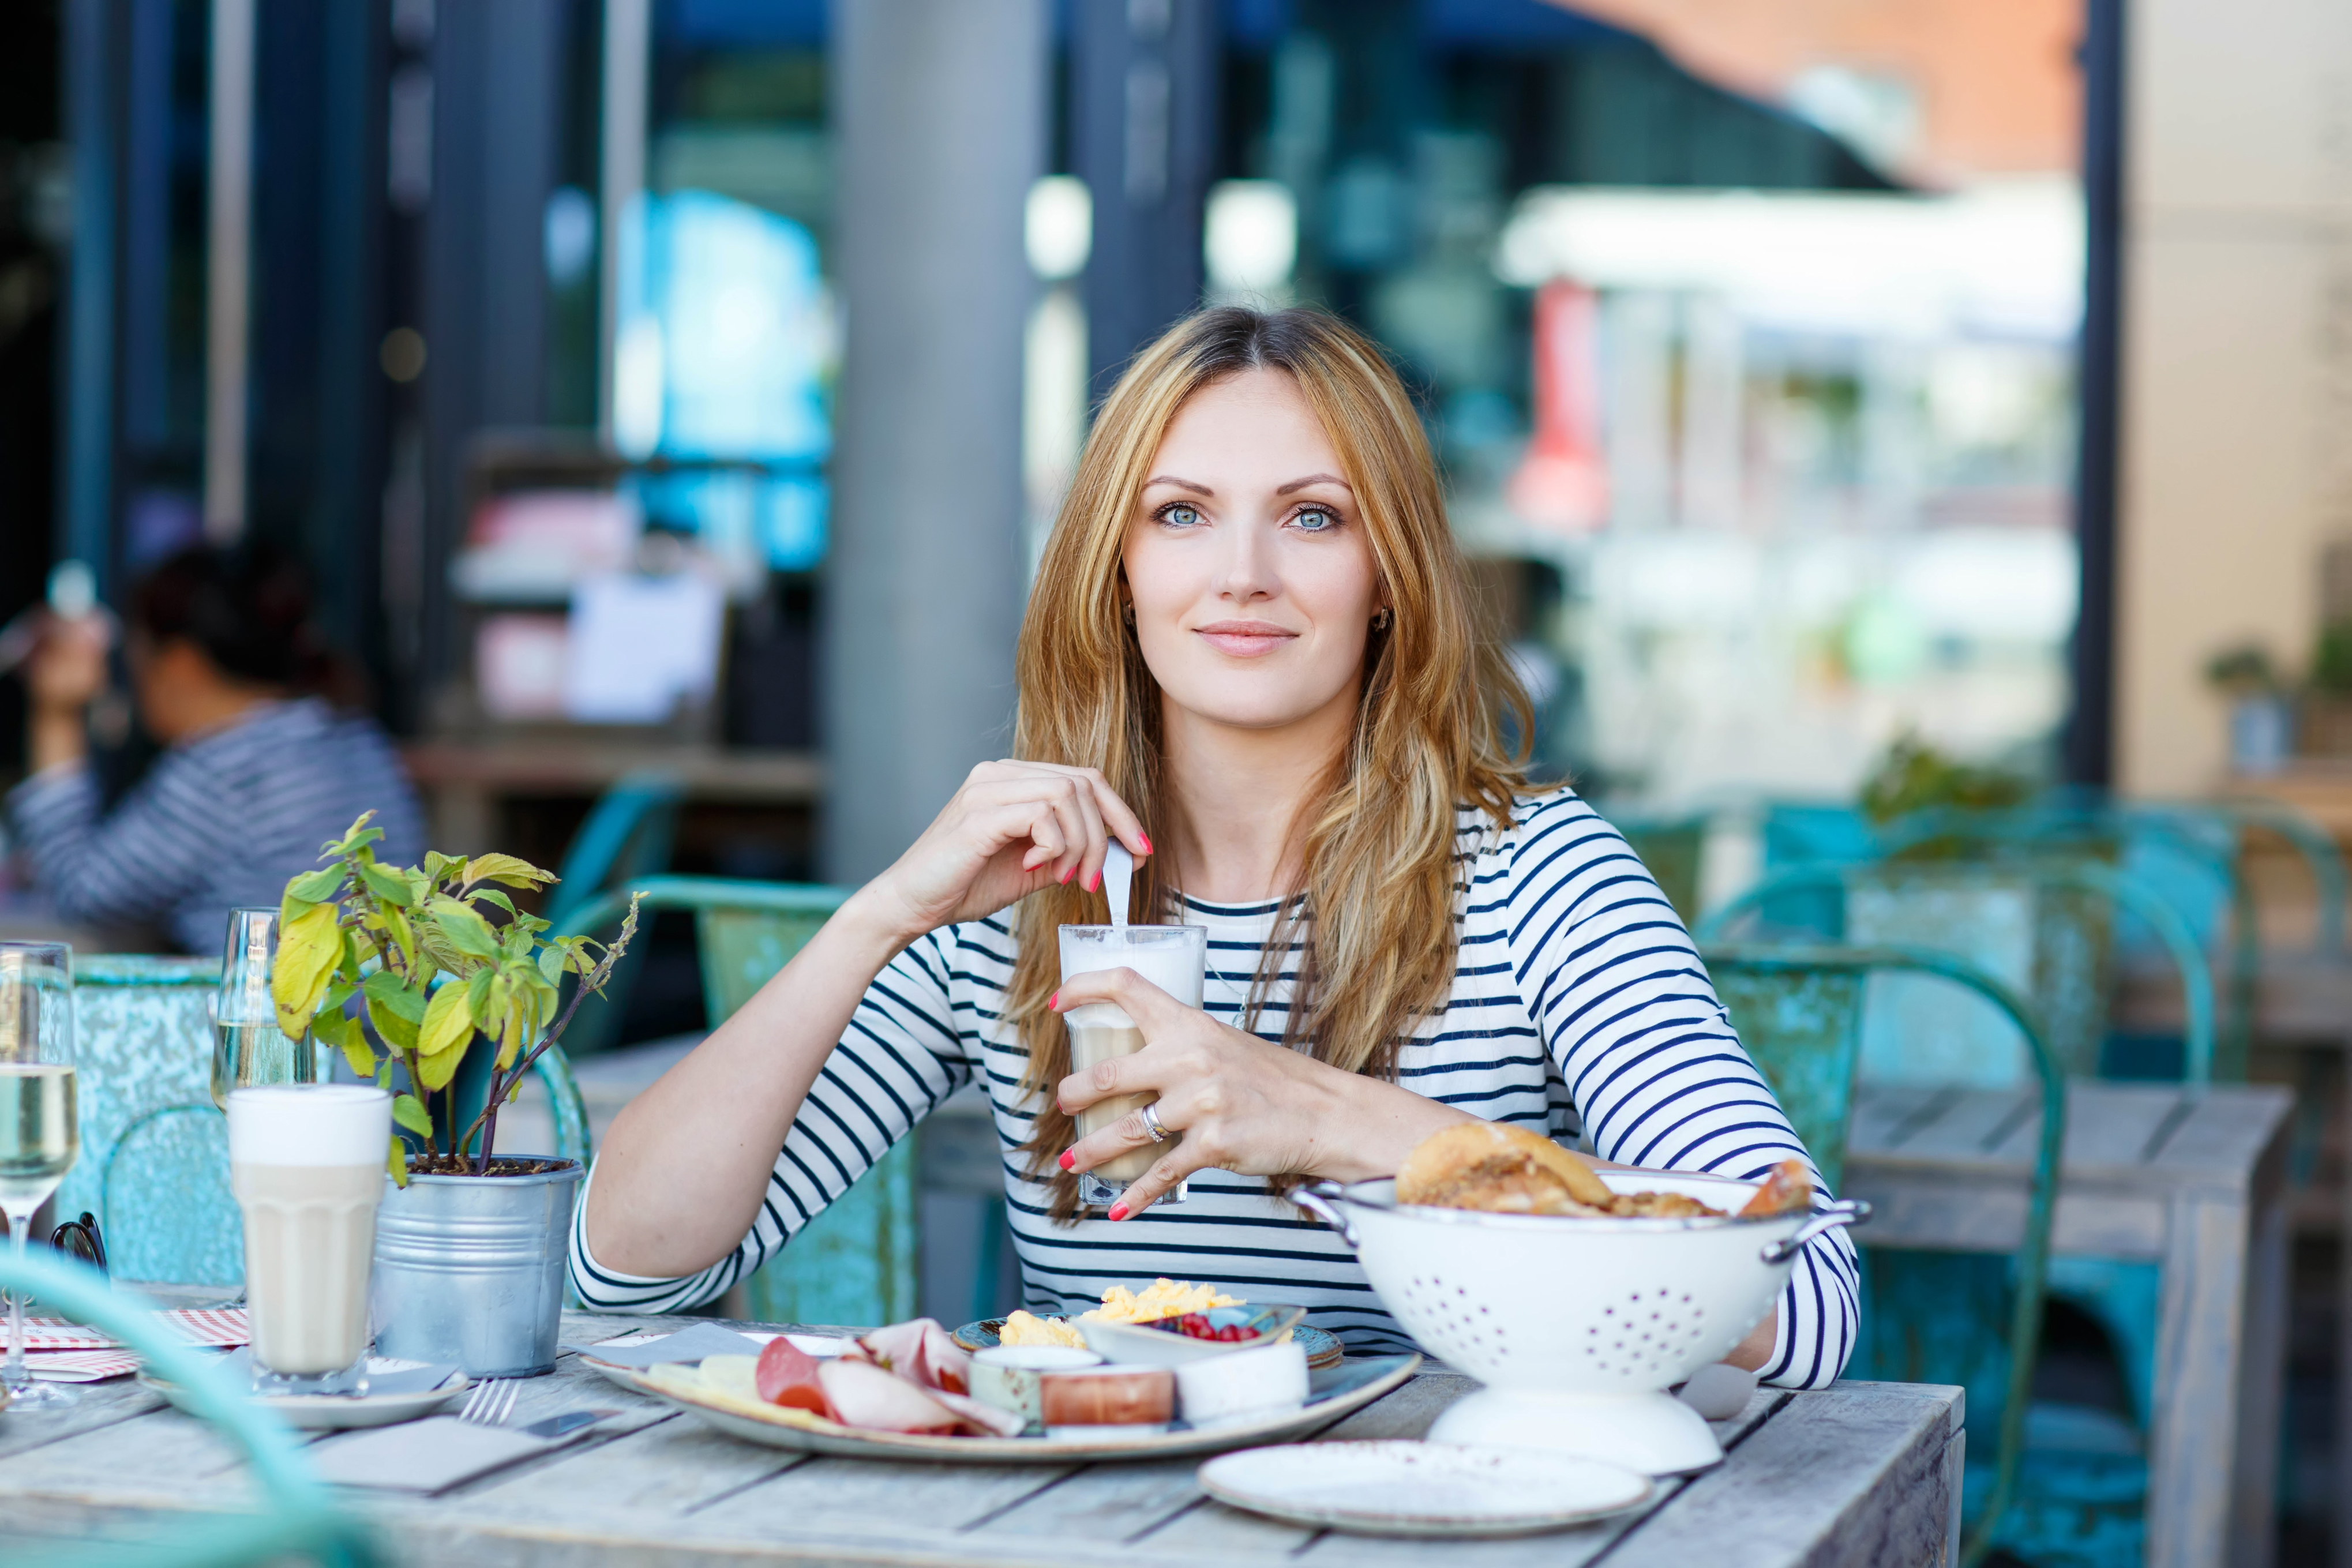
<point x="1173" y="958"/>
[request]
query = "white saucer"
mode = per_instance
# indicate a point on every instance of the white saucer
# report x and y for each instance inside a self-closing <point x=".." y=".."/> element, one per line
<point x="1400" y="1488"/>
<point x="341" y="1412"/>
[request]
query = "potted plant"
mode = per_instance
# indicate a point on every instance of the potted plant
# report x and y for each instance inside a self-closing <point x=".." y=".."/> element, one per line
<point x="405" y="970"/>
<point x="2261" y="711"/>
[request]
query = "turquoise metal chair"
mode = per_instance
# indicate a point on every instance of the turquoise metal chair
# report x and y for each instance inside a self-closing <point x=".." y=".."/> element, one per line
<point x="1798" y="1010"/>
<point x="856" y="1262"/>
<point x="627" y="838"/>
<point x="298" y="1516"/>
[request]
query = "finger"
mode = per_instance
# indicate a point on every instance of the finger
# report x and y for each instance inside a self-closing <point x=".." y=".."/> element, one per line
<point x="1089" y="812"/>
<point x="1107" y="1144"/>
<point x="1139" y="999"/>
<point x="1070" y="821"/>
<point x="1167" y="1172"/>
<point x="1116" y="815"/>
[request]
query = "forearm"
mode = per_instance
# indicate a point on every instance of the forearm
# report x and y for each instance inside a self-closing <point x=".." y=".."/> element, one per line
<point x="1371" y="1126"/>
<point x="54" y="737"/>
<point x="682" y="1173"/>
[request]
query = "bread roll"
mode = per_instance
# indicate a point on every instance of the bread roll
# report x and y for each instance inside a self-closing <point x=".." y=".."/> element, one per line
<point x="1501" y="1170"/>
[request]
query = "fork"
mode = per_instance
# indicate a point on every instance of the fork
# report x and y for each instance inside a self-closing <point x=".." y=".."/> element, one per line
<point x="492" y="1401"/>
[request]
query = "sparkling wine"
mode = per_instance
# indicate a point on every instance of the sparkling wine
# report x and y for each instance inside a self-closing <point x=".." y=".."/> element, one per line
<point x="38" y="1138"/>
<point x="258" y="1056"/>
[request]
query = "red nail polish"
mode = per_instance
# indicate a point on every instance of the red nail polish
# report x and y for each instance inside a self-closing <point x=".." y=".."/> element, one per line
<point x="1118" y="1211"/>
<point x="1068" y="874"/>
<point x="1094" y="880"/>
<point x="1069" y="1161"/>
<point x="1145" y="839"/>
<point x="1053" y="1003"/>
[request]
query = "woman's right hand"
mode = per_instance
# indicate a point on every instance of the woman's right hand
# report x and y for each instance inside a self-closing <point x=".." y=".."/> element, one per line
<point x="1013" y="828"/>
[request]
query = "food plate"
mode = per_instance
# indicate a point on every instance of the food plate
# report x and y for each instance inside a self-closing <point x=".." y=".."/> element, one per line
<point x="1423" y="1488"/>
<point x="338" y="1411"/>
<point x="1323" y="1350"/>
<point x="1331" y="1395"/>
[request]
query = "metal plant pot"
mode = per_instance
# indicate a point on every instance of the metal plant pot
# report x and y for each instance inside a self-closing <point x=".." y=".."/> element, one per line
<point x="470" y="1270"/>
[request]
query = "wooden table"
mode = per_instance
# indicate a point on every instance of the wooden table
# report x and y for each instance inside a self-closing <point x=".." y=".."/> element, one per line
<point x="2189" y="1179"/>
<point x="1862" y="1473"/>
<point x="463" y="781"/>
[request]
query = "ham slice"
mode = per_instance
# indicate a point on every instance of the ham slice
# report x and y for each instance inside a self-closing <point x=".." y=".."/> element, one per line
<point x="863" y="1394"/>
<point x="787" y="1375"/>
<point x="920" y="1351"/>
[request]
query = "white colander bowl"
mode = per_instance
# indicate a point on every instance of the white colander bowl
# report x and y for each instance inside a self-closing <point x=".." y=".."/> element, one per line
<point x="1577" y="1326"/>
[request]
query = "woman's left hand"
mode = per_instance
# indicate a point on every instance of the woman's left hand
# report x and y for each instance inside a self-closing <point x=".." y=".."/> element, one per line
<point x="1231" y="1101"/>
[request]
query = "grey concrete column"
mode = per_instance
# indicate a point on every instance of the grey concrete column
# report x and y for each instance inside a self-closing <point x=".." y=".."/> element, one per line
<point x="940" y="129"/>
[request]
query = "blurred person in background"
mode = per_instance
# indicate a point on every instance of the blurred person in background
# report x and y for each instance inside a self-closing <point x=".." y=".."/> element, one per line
<point x="258" y="769"/>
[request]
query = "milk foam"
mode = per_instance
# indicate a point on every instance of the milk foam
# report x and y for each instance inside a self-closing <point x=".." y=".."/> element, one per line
<point x="1173" y="964"/>
<point x="309" y="1124"/>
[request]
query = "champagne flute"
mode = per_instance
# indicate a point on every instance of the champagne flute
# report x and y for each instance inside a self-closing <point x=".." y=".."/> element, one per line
<point x="249" y="1051"/>
<point x="38" y="1135"/>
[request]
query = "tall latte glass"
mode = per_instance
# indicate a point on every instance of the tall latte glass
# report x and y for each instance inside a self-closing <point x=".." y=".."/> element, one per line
<point x="307" y="1164"/>
<point x="1171" y="957"/>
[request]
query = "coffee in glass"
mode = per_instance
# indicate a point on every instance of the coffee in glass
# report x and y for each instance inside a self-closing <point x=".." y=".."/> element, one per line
<point x="1172" y="958"/>
<point x="307" y="1164"/>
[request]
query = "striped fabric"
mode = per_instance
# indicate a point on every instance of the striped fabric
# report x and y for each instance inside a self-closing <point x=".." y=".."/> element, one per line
<point x="219" y="822"/>
<point x="1579" y="1009"/>
<point x="222" y="1328"/>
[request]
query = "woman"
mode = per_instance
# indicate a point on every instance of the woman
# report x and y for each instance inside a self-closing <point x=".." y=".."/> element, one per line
<point x="256" y="773"/>
<point x="1250" y="657"/>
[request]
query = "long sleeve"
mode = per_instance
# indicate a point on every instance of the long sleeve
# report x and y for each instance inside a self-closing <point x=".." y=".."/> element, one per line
<point x="134" y="865"/>
<point x="899" y="1058"/>
<point x="1657" y="1074"/>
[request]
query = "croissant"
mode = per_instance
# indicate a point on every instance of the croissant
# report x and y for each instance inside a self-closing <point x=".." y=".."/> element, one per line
<point x="1502" y="1170"/>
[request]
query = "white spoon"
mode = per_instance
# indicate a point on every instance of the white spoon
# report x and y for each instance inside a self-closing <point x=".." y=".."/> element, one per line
<point x="1118" y="876"/>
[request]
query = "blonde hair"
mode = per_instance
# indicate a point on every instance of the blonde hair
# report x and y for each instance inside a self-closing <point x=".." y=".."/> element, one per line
<point x="1375" y="906"/>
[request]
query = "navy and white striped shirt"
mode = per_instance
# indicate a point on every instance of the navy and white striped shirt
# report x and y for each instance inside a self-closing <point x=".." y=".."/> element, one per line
<point x="1579" y="1009"/>
<point x="219" y="822"/>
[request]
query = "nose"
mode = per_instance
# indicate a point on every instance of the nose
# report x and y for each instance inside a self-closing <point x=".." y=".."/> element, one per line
<point x="1245" y="571"/>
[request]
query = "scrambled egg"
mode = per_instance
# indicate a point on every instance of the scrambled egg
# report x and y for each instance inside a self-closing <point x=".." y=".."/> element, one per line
<point x="1165" y="1298"/>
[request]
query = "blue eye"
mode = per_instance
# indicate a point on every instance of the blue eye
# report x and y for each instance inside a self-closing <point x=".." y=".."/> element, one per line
<point x="1182" y="514"/>
<point x="1316" y="520"/>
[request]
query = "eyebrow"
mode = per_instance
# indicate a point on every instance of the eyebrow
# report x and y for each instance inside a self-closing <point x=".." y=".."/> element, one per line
<point x="1199" y="489"/>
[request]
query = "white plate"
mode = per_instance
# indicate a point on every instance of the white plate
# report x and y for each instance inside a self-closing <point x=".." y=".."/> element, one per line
<point x="1332" y="1394"/>
<point x="1422" y="1489"/>
<point x="341" y="1412"/>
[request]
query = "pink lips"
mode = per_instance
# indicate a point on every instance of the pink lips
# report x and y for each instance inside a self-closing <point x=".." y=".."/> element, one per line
<point x="1245" y="639"/>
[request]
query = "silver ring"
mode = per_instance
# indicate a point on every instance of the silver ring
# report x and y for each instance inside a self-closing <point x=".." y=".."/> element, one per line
<point x="1151" y="1123"/>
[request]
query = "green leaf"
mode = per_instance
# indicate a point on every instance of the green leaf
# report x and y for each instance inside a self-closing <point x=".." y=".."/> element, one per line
<point x="409" y="1112"/>
<point x="361" y="1056"/>
<point x="308" y="948"/>
<point x="387" y="885"/>
<point x="447" y="1023"/>
<point x="469" y="932"/>
<point x="316" y="887"/>
<point x="390" y="989"/>
<point x="492" y="896"/>
<point x="514" y="871"/>
<point x="552" y="960"/>
<point x="434" y="1072"/>
<point x="396" y="1164"/>
<point x="399" y="1031"/>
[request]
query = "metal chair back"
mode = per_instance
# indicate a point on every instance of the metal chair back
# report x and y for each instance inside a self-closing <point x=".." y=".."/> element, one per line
<point x="1799" y="1011"/>
<point x="297" y="1517"/>
<point x="856" y="1262"/>
<point x="627" y="837"/>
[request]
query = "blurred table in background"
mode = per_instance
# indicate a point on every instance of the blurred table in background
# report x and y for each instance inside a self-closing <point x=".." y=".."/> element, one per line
<point x="2191" y="1179"/>
<point x="465" y="784"/>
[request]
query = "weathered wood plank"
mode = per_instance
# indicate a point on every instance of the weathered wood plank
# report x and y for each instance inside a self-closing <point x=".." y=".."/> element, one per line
<point x="2109" y="1125"/>
<point x="101" y="1404"/>
<point x="2226" y="1133"/>
<point x="1961" y="1125"/>
<point x="2195" y="1422"/>
<point x="158" y="1459"/>
<point x="1858" y="1475"/>
<point x="1885" y="1112"/>
<point x="868" y="1497"/>
<point x="656" y="1473"/>
<point x="1982" y="1213"/>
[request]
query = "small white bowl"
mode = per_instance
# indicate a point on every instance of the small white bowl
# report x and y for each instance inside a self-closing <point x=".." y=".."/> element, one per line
<point x="1251" y="1382"/>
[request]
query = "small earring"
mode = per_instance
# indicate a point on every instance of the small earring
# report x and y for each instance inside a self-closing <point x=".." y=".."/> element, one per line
<point x="1127" y="612"/>
<point x="1380" y="621"/>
